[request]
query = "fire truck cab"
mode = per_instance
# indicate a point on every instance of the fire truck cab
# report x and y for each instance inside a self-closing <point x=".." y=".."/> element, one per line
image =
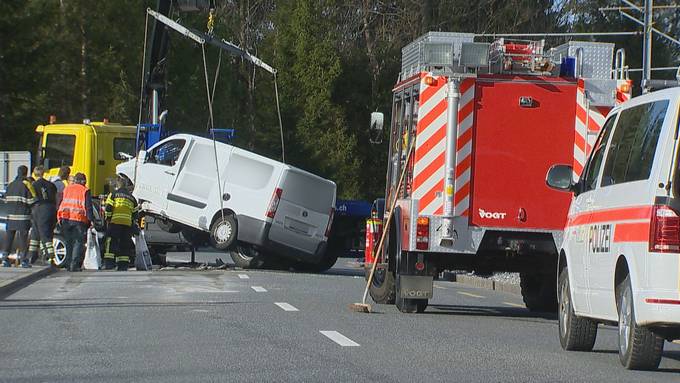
<point x="620" y="259"/>
<point x="475" y="127"/>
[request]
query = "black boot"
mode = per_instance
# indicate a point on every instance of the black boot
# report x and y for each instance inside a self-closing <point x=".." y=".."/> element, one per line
<point x="121" y="266"/>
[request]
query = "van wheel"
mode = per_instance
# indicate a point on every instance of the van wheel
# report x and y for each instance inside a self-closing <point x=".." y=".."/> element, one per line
<point x="538" y="292"/>
<point x="382" y="287"/>
<point x="59" y="250"/>
<point x="639" y="347"/>
<point x="246" y="257"/>
<point x="408" y="305"/>
<point x="576" y="334"/>
<point x="223" y="232"/>
<point x="328" y="259"/>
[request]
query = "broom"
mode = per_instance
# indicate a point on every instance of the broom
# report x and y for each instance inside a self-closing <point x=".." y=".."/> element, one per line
<point x="364" y="307"/>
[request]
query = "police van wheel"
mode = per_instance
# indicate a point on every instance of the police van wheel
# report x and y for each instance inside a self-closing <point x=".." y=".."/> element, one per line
<point x="639" y="347"/>
<point x="59" y="251"/>
<point x="223" y="232"/>
<point x="382" y="287"/>
<point x="408" y="305"/>
<point x="246" y="257"/>
<point x="576" y="334"/>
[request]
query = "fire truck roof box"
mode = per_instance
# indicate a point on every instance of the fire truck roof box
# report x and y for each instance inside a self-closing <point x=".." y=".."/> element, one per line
<point x="597" y="57"/>
<point x="433" y="49"/>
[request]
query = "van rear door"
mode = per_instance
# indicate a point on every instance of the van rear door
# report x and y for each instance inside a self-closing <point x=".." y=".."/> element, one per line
<point x="303" y="211"/>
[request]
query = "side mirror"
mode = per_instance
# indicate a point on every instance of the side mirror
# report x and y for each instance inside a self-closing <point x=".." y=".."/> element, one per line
<point x="142" y="156"/>
<point x="560" y="177"/>
<point x="377" y="122"/>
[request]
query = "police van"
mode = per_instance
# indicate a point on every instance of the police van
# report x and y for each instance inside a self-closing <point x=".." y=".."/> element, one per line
<point x="620" y="259"/>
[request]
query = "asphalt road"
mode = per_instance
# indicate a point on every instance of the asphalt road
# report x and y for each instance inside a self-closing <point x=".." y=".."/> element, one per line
<point x="260" y="326"/>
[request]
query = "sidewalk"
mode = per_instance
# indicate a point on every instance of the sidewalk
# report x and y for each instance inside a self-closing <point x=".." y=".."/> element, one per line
<point x="15" y="278"/>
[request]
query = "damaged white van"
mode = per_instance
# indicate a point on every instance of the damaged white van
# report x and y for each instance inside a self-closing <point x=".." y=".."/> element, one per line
<point x="254" y="206"/>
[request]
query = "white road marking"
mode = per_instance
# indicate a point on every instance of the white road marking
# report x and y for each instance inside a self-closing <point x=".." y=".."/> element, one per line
<point x="470" y="294"/>
<point x="439" y="287"/>
<point x="513" y="304"/>
<point x="286" y="306"/>
<point x="243" y="276"/>
<point x="339" y="338"/>
<point x="200" y="311"/>
<point x="259" y="289"/>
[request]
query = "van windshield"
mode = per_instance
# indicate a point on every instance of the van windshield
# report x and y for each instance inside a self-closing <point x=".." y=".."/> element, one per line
<point x="311" y="192"/>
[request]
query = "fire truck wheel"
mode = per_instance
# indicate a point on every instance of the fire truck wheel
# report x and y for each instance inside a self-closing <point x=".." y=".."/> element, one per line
<point x="246" y="257"/>
<point x="576" y="334"/>
<point x="409" y="305"/>
<point x="382" y="287"/>
<point x="539" y="292"/>
<point x="223" y="232"/>
<point x="639" y="347"/>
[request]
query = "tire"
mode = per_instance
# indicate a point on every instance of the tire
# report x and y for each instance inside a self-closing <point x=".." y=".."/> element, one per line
<point x="639" y="347"/>
<point x="575" y="333"/>
<point x="539" y="292"/>
<point x="223" y="232"/>
<point x="246" y="257"/>
<point x="59" y="250"/>
<point x="327" y="261"/>
<point x="382" y="288"/>
<point x="408" y="305"/>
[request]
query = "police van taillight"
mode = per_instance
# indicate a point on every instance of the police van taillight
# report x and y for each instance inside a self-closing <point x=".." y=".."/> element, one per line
<point x="664" y="233"/>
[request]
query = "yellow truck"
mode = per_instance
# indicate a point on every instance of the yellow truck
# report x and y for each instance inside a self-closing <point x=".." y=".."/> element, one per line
<point x="91" y="148"/>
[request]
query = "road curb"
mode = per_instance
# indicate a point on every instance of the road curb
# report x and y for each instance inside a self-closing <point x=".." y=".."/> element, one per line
<point x="10" y="287"/>
<point x="482" y="283"/>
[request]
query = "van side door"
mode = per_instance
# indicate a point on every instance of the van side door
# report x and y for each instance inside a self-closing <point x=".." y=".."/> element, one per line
<point x="576" y="240"/>
<point x="622" y="204"/>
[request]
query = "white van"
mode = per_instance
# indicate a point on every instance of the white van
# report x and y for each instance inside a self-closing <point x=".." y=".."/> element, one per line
<point x="620" y="259"/>
<point x="258" y="206"/>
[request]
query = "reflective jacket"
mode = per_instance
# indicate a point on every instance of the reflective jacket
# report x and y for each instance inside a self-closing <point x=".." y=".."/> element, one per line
<point x="19" y="198"/>
<point x="76" y="205"/>
<point x="120" y="208"/>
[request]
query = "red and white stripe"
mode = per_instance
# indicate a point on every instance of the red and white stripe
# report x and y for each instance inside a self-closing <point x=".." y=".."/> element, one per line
<point x="428" y="174"/>
<point x="428" y="170"/>
<point x="461" y="196"/>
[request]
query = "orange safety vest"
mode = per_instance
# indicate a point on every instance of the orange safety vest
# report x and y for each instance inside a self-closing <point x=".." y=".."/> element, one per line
<point x="72" y="205"/>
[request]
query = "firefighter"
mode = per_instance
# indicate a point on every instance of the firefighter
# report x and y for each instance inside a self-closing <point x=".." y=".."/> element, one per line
<point x="75" y="216"/>
<point x="120" y="214"/>
<point x="44" y="217"/>
<point x="19" y="198"/>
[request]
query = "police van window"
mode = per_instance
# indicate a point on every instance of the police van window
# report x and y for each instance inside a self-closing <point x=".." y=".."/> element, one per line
<point x="123" y="145"/>
<point x="631" y="152"/>
<point x="592" y="169"/>
<point x="59" y="150"/>
<point x="167" y="153"/>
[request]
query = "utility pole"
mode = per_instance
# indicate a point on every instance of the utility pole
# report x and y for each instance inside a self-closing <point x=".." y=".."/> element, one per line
<point x="647" y="45"/>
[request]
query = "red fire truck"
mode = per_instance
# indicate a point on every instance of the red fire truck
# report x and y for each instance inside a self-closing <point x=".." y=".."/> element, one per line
<point x="483" y="123"/>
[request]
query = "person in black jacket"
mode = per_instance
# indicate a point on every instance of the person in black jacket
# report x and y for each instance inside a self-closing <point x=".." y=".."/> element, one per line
<point x="44" y="217"/>
<point x="19" y="198"/>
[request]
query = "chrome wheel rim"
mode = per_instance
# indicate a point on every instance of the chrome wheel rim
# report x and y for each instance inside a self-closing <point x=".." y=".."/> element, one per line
<point x="59" y="251"/>
<point x="564" y="307"/>
<point x="223" y="232"/>
<point x="625" y="319"/>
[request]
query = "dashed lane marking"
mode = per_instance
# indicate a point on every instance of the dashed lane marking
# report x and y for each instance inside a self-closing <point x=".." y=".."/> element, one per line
<point x="439" y="287"/>
<point x="339" y="339"/>
<point x="513" y="304"/>
<point x="470" y="294"/>
<point x="286" y="306"/>
<point x="259" y="289"/>
<point x="243" y="276"/>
